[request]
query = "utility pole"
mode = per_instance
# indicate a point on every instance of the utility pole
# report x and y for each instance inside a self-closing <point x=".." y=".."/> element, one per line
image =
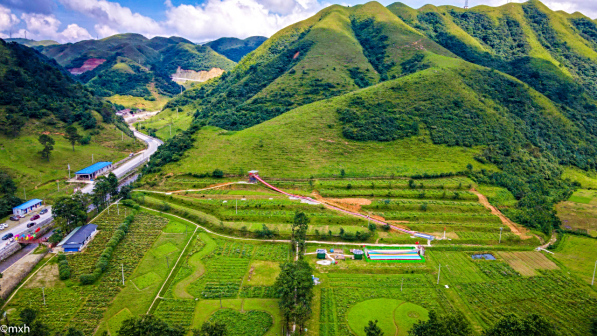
<point x="593" y="281"/>
<point x="500" y="235"/>
<point x="44" y="294"/>
<point x="122" y="270"/>
<point x="91" y="158"/>
<point x="25" y="192"/>
<point x="167" y="263"/>
<point x="439" y="272"/>
<point x="176" y="112"/>
<point x="117" y="209"/>
<point x="69" y="171"/>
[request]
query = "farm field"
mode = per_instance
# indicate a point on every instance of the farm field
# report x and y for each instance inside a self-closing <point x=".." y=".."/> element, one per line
<point x="579" y="212"/>
<point x="242" y="273"/>
<point x="166" y="120"/>
<point x="432" y="206"/>
<point x="578" y="254"/>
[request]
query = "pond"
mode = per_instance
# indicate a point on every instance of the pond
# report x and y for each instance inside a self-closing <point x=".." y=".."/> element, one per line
<point x="486" y="256"/>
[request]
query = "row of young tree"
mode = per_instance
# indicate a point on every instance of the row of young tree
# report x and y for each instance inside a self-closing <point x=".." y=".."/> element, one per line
<point x="457" y="325"/>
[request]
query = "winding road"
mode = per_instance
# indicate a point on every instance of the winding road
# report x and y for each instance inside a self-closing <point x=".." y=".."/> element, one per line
<point x="122" y="170"/>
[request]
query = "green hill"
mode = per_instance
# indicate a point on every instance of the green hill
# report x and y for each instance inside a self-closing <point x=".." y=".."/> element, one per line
<point x="235" y="48"/>
<point x="338" y="50"/>
<point x="38" y="97"/>
<point x="32" y="43"/>
<point x="406" y="105"/>
<point x="554" y="52"/>
<point x="131" y="64"/>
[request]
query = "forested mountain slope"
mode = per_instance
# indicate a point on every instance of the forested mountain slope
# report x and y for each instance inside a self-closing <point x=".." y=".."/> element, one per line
<point x="131" y="64"/>
<point x="37" y="97"/>
<point x="338" y="50"/>
<point x="235" y="48"/>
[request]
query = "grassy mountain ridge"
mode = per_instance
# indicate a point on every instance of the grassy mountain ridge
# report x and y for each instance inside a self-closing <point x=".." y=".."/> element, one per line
<point x="235" y="49"/>
<point x="32" y="43"/>
<point x="338" y="50"/>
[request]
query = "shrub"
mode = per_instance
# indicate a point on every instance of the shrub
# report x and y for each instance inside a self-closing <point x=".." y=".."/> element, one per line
<point x="87" y="279"/>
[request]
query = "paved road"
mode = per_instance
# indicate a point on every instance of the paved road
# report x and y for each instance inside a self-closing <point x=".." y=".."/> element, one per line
<point x="122" y="170"/>
<point x="23" y="226"/>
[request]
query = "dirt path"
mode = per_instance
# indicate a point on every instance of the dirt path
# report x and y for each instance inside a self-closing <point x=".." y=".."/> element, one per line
<point x="553" y="239"/>
<point x="513" y="226"/>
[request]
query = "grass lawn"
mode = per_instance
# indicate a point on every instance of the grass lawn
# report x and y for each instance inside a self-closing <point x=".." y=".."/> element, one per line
<point x="168" y="120"/>
<point x="147" y="280"/>
<point x="19" y="157"/>
<point x="205" y="308"/>
<point x="578" y="254"/>
<point x="116" y="321"/>
<point x="264" y="273"/>
<point x="139" y="102"/>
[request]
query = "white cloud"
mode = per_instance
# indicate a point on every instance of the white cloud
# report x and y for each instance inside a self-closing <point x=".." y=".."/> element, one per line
<point x="41" y="27"/>
<point x="588" y="8"/>
<point x="7" y="19"/>
<point x="238" y="18"/>
<point x="111" y="17"/>
<point x="210" y="20"/>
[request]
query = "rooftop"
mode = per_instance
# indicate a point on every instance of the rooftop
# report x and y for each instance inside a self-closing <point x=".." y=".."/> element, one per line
<point x="94" y="167"/>
<point x="81" y="235"/>
<point x="28" y="204"/>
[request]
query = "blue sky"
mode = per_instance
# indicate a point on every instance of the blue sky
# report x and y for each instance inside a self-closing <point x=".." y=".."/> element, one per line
<point x="74" y="20"/>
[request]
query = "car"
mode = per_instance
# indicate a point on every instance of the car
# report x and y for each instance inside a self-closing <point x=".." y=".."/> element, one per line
<point x="7" y="236"/>
<point x="43" y="212"/>
<point x="14" y="218"/>
<point x="34" y="217"/>
<point x="30" y="224"/>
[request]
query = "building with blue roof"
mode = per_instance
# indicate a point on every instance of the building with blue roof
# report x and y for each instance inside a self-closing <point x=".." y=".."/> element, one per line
<point x="77" y="241"/>
<point x="93" y="171"/>
<point x="26" y="207"/>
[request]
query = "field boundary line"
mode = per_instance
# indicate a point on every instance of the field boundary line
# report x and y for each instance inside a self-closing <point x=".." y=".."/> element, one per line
<point x="172" y="270"/>
<point x="273" y="240"/>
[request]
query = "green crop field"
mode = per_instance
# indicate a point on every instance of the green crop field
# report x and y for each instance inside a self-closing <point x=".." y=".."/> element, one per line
<point x="579" y="254"/>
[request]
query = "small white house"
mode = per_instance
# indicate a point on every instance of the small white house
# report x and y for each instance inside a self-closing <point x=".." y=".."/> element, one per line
<point x="26" y="207"/>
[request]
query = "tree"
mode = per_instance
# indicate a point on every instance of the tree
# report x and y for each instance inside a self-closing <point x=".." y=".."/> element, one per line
<point x="211" y="329"/>
<point x="449" y="325"/>
<point x="594" y="326"/>
<point x="28" y="318"/>
<point x="71" y="211"/>
<point x="217" y="173"/>
<point x="372" y="329"/>
<point x="531" y="325"/>
<point x="8" y="200"/>
<point x="48" y="144"/>
<point x="294" y="286"/>
<point x="300" y="225"/>
<point x="148" y="325"/>
<point x="72" y="135"/>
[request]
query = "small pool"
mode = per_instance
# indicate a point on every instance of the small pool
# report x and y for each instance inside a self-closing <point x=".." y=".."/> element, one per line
<point x="486" y="256"/>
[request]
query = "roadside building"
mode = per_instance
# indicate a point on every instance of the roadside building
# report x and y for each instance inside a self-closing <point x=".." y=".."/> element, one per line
<point x="93" y="171"/>
<point x="26" y="207"/>
<point x="75" y="242"/>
